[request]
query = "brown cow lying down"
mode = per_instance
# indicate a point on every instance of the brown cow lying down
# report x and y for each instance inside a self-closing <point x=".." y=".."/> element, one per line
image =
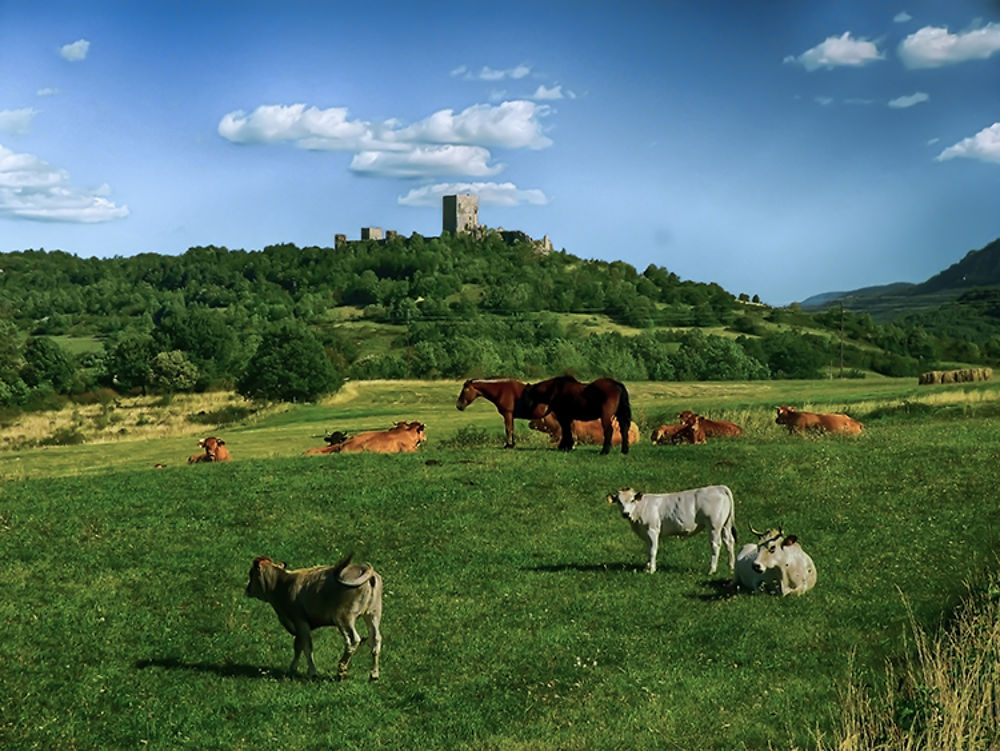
<point x="215" y="451"/>
<point x="666" y="434"/>
<point x="692" y="431"/>
<point x="309" y="598"/>
<point x="713" y="428"/>
<point x="590" y="431"/>
<point x="799" y="422"/>
<point x="404" y="437"/>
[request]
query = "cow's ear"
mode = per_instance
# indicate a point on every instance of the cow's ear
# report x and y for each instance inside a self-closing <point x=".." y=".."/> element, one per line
<point x="282" y="565"/>
<point x="220" y="442"/>
<point x="790" y="540"/>
<point x="638" y="496"/>
<point x="611" y="498"/>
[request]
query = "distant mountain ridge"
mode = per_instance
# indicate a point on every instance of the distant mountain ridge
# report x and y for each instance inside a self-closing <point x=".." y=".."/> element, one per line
<point x="977" y="269"/>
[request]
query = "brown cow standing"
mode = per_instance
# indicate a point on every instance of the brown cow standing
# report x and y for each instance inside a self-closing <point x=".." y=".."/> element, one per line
<point x="403" y="437"/>
<point x="589" y="431"/>
<point x="215" y="451"/>
<point x="799" y="422"/>
<point x="713" y="428"/>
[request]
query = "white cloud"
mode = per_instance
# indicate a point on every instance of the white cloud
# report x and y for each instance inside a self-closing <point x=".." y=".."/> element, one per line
<point x="311" y="128"/>
<point x="933" y="47"/>
<point x="902" y="17"/>
<point x="838" y="51"/>
<point x="555" y="92"/>
<point x="908" y="101"/>
<point x="17" y="121"/>
<point x="425" y="161"/>
<point x="823" y="101"/>
<point x="31" y="188"/>
<point x="513" y="125"/>
<point x="492" y="194"/>
<point x="487" y="73"/>
<point x="984" y="146"/>
<point x="47" y="92"/>
<point x="76" y="51"/>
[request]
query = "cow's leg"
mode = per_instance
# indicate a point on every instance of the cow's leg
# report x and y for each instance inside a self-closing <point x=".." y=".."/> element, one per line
<point x="303" y="645"/>
<point x="351" y="641"/>
<point x="716" y="538"/>
<point x="375" y="634"/>
<point x="729" y="540"/>
<point x="566" y="441"/>
<point x="508" y="425"/>
<point x="654" y="542"/>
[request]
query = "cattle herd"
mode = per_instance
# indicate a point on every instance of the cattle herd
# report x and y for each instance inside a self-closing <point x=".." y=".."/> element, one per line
<point x="305" y="599"/>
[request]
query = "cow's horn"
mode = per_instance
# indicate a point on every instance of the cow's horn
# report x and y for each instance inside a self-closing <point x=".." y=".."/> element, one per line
<point x="754" y="531"/>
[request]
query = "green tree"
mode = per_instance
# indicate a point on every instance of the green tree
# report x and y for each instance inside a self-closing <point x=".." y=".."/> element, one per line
<point x="46" y="362"/>
<point x="173" y="371"/>
<point x="289" y="365"/>
<point x="127" y="362"/>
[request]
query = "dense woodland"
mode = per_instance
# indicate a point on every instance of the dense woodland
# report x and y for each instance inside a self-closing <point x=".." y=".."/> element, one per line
<point x="291" y="323"/>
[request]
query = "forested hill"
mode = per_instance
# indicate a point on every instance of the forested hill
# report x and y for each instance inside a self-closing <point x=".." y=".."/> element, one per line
<point x="397" y="280"/>
<point x="288" y="322"/>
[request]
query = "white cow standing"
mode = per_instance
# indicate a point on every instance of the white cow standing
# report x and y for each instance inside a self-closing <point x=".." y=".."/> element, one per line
<point x="683" y="513"/>
<point x="775" y="563"/>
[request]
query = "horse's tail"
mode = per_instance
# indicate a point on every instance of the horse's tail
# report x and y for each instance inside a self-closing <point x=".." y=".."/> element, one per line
<point x="624" y="415"/>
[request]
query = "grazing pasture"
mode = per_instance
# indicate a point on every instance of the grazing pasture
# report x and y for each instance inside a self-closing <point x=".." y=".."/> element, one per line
<point x="516" y="614"/>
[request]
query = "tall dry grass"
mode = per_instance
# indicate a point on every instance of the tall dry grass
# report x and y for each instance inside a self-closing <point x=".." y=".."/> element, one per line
<point x="116" y="419"/>
<point x="946" y="698"/>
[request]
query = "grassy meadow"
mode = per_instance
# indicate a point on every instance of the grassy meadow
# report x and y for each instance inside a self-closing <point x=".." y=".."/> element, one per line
<point x="517" y="614"/>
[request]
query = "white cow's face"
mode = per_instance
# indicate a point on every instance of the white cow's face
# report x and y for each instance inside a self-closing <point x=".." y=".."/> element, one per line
<point x="771" y="552"/>
<point x="626" y="499"/>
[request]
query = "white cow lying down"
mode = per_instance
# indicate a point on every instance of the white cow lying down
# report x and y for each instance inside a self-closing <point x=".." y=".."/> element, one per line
<point x="775" y="563"/>
<point x="683" y="513"/>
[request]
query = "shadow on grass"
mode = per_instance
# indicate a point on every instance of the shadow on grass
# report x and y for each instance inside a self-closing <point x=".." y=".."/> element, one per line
<point x="616" y="568"/>
<point x="716" y="589"/>
<point x="228" y="670"/>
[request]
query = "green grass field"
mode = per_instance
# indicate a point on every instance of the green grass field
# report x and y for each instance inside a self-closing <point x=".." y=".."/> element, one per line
<point x="517" y="615"/>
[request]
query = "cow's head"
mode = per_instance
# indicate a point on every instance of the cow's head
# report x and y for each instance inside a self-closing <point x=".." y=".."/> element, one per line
<point x="211" y="446"/>
<point x="771" y="550"/>
<point x="785" y="414"/>
<point x="626" y="498"/>
<point x="685" y="415"/>
<point x="263" y="575"/>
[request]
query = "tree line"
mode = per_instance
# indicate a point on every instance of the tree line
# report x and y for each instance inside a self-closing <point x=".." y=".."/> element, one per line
<point x="291" y="323"/>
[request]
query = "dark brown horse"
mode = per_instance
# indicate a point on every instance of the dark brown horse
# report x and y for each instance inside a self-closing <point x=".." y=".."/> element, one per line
<point x="568" y="399"/>
<point x="505" y="394"/>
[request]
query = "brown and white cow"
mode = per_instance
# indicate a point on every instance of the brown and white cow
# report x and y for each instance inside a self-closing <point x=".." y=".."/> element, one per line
<point x="402" y="438"/>
<point x="800" y="422"/>
<point x="215" y="451"/>
<point x="713" y="428"/>
<point x="589" y="431"/>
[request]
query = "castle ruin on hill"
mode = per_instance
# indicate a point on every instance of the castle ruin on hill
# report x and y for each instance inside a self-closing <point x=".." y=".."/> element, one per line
<point x="459" y="215"/>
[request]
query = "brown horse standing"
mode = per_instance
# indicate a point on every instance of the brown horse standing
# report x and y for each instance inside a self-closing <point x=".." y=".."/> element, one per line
<point x="505" y="394"/>
<point x="569" y="400"/>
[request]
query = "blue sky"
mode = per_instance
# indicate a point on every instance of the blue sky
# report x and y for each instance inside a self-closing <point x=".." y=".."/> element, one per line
<point x="780" y="148"/>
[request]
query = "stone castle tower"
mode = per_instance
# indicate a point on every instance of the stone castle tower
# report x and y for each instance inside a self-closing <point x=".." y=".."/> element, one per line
<point x="459" y="213"/>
